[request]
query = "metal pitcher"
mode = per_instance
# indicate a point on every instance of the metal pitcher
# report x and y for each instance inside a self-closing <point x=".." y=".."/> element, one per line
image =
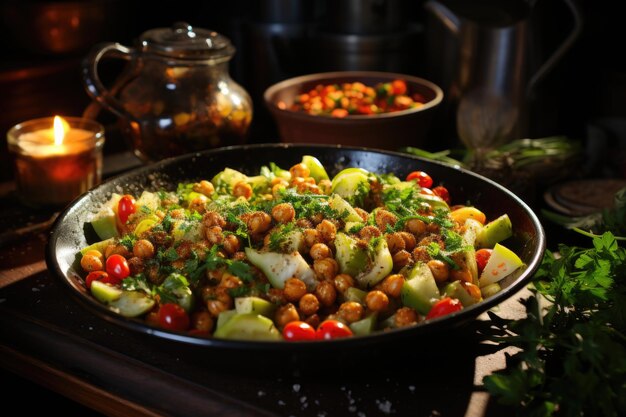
<point x="484" y="57"/>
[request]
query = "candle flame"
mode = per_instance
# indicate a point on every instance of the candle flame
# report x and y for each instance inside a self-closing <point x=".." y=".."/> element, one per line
<point x="60" y="129"/>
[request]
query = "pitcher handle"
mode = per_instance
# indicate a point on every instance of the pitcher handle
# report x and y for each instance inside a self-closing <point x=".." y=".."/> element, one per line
<point x="94" y="86"/>
<point x="561" y="50"/>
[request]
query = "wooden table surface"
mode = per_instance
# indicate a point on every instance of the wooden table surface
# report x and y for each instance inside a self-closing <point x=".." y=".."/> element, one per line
<point x="46" y="337"/>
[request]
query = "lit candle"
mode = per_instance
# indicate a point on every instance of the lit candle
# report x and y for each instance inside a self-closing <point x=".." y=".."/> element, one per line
<point x="56" y="160"/>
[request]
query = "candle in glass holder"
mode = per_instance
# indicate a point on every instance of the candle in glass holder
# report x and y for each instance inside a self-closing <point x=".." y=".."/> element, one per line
<point x="56" y="159"/>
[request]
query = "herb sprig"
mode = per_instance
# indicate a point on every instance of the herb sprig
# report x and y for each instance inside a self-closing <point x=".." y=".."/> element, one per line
<point x="572" y="360"/>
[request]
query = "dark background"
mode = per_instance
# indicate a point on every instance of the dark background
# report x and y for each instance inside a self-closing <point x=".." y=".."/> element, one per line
<point x="276" y="39"/>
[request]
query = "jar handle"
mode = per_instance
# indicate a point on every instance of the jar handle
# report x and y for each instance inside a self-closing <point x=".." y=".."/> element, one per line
<point x="94" y="86"/>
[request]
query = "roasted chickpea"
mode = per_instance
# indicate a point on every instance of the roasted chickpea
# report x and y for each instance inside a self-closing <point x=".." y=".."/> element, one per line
<point x="362" y="213"/>
<point x="231" y="244"/>
<point x="92" y="260"/>
<point x="392" y="285"/>
<point x="395" y="242"/>
<point x="440" y="270"/>
<point x="420" y="254"/>
<point x="462" y="275"/>
<point x="278" y="188"/>
<point x="202" y="321"/>
<point x="324" y="186"/>
<point x="204" y="187"/>
<point x="276" y="296"/>
<point x="214" y="235"/>
<point x="300" y="170"/>
<point x="152" y="272"/>
<point x="135" y="265"/>
<point x="473" y="290"/>
<point x="178" y="213"/>
<point x="283" y="213"/>
<point x="369" y="232"/>
<point x="433" y="227"/>
<point x="409" y="240"/>
<point x="309" y="304"/>
<point x="432" y="238"/>
<point x="350" y="311"/>
<point x="259" y="222"/>
<point x="401" y="259"/>
<point x="143" y="248"/>
<point x="320" y="251"/>
<point x="215" y="307"/>
<point x="286" y="314"/>
<point x="294" y="289"/>
<point x="343" y="282"/>
<point x="415" y="226"/>
<point x="198" y="204"/>
<point x="242" y="189"/>
<point x="376" y="300"/>
<point x="116" y="249"/>
<point x="230" y="281"/>
<point x="311" y="237"/>
<point x="326" y="268"/>
<point x="326" y="293"/>
<point x="213" y="218"/>
<point x="305" y="224"/>
<point x="385" y="218"/>
<point x="405" y="316"/>
<point x="327" y="230"/>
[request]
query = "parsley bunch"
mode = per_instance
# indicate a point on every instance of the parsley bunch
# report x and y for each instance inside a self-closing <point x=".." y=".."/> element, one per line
<point x="572" y="360"/>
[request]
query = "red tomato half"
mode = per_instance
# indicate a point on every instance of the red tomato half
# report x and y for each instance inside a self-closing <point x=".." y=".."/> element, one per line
<point x="95" y="276"/>
<point x="298" y="330"/>
<point x="332" y="329"/>
<point x="117" y="267"/>
<point x="482" y="257"/>
<point x="423" y="179"/>
<point x="444" y="307"/>
<point x="173" y="317"/>
<point x="126" y="207"/>
<point x="398" y="87"/>
<point x="442" y="192"/>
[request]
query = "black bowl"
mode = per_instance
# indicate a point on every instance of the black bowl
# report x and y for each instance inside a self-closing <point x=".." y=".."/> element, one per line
<point x="70" y="232"/>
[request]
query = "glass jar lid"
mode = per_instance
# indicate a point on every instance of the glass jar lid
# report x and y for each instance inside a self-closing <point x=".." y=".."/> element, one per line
<point x="183" y="41"/>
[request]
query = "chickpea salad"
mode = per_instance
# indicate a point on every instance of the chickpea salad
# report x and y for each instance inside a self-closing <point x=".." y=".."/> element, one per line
<point x="291" y="254"/>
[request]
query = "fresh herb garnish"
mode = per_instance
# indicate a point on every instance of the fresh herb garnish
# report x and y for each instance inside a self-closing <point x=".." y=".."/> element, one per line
<point x="136" y="283"/>
<point x="128" y="241"/>
<point x="279" y="237"/>
<point x="572" y="360"/>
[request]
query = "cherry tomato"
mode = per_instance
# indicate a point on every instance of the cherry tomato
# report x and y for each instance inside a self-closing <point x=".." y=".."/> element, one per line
<point x="398" y="87"/>
<point x="443" y="307"/>
<point x="95" y="276"/>
<point x="442" y="192"/>
<point x="427" y="191"/>
<point x="117" y="267"/>
<point x="173" y="317"/>
<point x="482" y="257"/>
<point x="423" y="179"/>
<point x="126" y="207"/>
<point x="332" y="329"/>
<point x="298" y="330"/>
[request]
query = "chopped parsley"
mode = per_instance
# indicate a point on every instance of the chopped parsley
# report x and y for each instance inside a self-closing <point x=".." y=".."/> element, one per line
<point x="128" y="241"/>
<point x="136" y="283"/>
<point x="279" y="238"/>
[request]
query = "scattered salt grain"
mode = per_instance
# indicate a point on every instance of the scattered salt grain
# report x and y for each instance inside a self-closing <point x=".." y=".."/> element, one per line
<point x="384" y="406"/>
<point x="296" y="387"/>
<point x="261" y="393"/>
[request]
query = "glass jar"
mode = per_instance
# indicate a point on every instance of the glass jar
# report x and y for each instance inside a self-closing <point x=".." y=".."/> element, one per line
<point x="175" y="95"/>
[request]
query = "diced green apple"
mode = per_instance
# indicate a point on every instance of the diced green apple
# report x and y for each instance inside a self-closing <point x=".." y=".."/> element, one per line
<point x="279" y="267"/>
<point x="248" y="326"/>
<point x="494" y="232"/>
<point x="419" y="290"/>
<point x="254" y="305"/>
